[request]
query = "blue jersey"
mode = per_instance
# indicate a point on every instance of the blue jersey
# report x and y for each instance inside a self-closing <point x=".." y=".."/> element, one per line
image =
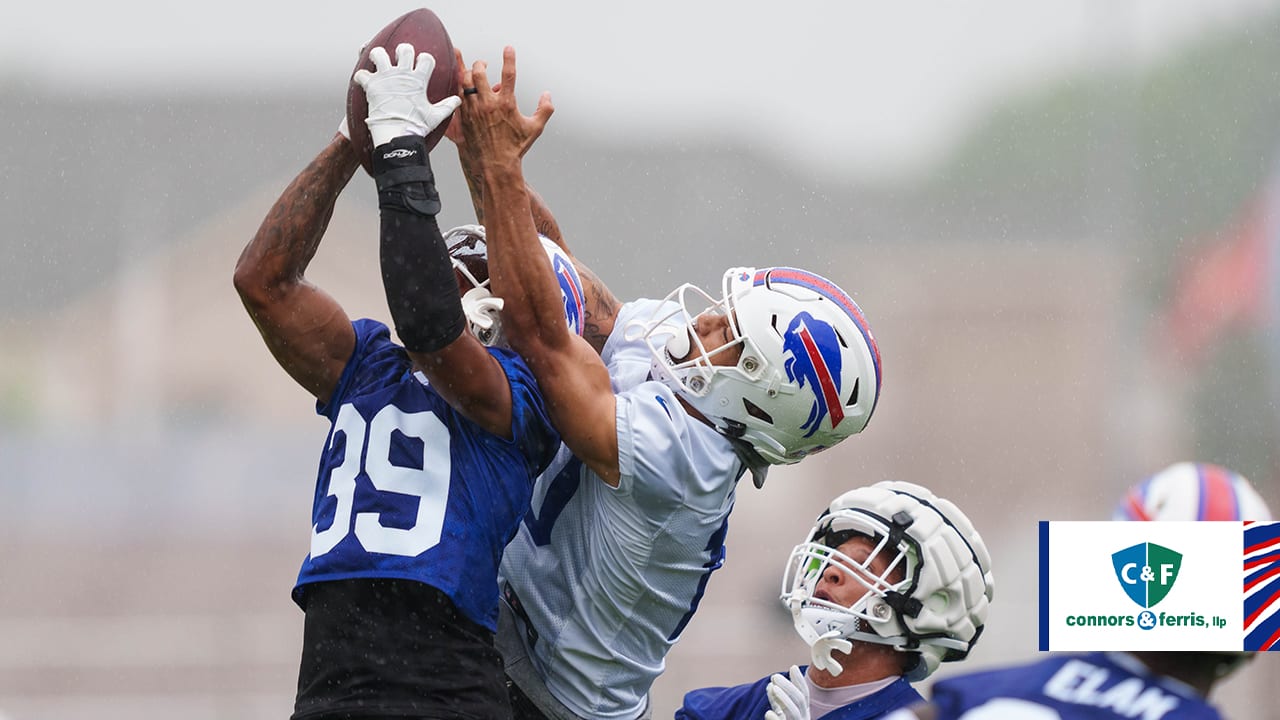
<point x="749" y="702"/>
<point x="410" y="489"/>
<point x="1097" y="686"/>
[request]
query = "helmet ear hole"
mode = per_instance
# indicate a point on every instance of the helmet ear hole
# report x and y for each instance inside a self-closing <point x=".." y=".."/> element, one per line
<point x="853" y="396"/>
<point x="756" y="411"/>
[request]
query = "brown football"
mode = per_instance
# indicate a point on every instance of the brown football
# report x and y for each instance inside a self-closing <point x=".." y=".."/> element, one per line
<point x="422" y="29"/>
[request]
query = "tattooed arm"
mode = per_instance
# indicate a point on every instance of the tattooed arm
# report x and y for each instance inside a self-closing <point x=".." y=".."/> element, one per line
<point x="306" y="330"/>
<point x="600" y="308"/>
<point x="543" y="220"/>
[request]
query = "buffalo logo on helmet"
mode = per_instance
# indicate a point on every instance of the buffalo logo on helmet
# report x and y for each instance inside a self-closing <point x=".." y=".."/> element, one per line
<point x="815" y="346"/>
<point x="570" y="292"/>
<point x="813" y="361"/>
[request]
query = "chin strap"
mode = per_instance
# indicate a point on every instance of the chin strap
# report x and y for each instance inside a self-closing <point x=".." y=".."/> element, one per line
<point x="758" y="466"/>
<point x="821" y="652"/>
<point x="821" y="646"/>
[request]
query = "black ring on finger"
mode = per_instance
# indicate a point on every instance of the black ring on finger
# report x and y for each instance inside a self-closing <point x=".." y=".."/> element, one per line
<point x="470" y="91"/>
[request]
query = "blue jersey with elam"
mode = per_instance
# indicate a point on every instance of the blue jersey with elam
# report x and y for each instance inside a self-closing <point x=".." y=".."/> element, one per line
<point x="408" y="488"/>
<point x="1096" y="686"/>
<point x="751" y="701"/>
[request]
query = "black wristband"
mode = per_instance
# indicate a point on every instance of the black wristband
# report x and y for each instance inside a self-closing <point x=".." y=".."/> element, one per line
<point x="402" y="172"/>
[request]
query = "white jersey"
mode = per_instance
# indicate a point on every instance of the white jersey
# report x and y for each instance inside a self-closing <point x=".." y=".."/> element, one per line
<point x="609" y="577"/>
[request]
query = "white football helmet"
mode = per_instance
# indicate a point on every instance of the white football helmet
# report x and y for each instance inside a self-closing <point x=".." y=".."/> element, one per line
<point x="1193" y="491"/>
<point x="470" y="254"/>
<point x="809" y="373"/>
<point x="936" y="611"/>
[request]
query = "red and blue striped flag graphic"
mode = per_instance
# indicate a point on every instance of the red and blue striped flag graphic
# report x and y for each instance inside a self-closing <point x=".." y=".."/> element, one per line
<point x="1262" y="586"/>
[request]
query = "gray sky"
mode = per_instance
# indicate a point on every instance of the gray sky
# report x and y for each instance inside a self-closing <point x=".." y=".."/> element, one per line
<point x="874" y="86"/>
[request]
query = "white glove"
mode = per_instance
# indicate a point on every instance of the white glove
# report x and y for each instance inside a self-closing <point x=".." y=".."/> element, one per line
<point x="821" y="649"/>
<point x="397" y="95"/>
<point x="789" y="697"/>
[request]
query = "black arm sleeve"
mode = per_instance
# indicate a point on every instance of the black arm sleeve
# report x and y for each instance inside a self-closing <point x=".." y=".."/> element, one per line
<point x="417" y="274"/>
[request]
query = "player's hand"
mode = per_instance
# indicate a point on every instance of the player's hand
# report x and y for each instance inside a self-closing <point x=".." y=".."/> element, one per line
<point x="493" y="128"/>
<point x="397" y="95"/>
<point x="454" y="129"/>
<point x="822" y="648"/>
<point x="788" y="696"/>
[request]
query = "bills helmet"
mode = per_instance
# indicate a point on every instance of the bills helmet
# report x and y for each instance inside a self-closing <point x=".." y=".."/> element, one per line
<point x="1193" y="491"/>
<point x="809" y="371"/>
<point x="928" y="581"/>
<point x="470" y="254"/>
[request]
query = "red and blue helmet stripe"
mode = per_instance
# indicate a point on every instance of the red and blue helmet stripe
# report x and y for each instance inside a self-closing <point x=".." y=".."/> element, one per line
<point x="1217" y="497"/>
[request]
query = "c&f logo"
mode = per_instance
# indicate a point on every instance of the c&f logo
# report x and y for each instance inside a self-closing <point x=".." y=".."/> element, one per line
<point x="1146" y="572"/>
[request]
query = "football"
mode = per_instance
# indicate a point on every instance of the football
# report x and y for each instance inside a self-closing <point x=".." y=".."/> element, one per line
<point x="422" y="29"/>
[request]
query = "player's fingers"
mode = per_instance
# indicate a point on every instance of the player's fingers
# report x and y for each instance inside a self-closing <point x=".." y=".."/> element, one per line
<point x="795" y="688"/>
<point x="426" y="65"/>
<point x="361" y="77"/>
<point x="479" y="78"/>
<point x="450" y="103"/>
<point x="404" y="56"/>
<point x="786" y="703"/>
<point x="782" y="690"/>
<point x="381" y="61"/>
<point x="508" y="70"/>
<point x="542" y="113"/>
<point x="464" y="74"/>
<point x="797" y="679"/>
<point x="453" y="127"/>
<point x="780" y="700"/>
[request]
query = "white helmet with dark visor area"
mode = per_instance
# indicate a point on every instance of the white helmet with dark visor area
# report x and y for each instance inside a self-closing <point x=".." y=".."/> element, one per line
<point x="809" y="373"/>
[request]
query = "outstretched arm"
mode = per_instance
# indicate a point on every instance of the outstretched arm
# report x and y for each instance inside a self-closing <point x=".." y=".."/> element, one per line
<point x="417" y="273"/>
<point x="600" y="305"/>
<point x="543" y="219"/>
<point x="305" y="329"/>
<point x="574" y="381"/>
